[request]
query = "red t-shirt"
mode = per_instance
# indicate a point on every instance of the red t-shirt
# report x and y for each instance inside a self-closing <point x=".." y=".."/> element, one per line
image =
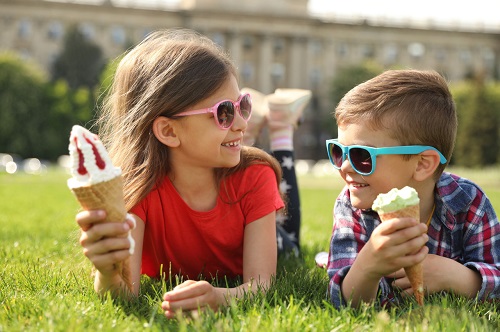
<point x="208" y="244"/>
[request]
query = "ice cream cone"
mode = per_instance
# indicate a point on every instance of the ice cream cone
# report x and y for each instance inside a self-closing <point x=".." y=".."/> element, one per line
<point x="414" y="273"/>
<point x="108" y="196"/>
<point x="97" y="184"/>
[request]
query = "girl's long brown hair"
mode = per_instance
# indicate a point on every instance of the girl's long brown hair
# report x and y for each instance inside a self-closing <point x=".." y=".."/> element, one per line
<point x="165" y="74"/>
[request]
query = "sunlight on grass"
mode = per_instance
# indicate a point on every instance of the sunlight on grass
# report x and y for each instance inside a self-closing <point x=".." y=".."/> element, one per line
<point x="45" y="281"/>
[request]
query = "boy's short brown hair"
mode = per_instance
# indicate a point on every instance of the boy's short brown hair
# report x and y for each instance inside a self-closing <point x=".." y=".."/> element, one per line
<point x="414" y="106"/>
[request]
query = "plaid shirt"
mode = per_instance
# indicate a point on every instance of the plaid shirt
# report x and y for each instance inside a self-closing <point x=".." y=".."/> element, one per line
<point x="464" y="227"/>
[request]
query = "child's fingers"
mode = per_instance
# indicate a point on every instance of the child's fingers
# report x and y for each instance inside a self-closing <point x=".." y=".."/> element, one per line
<point x="185" y="284"/>
<point x="106" y="246"/>
<point x="396" y="224"/>
<point x="410" y="254"/>
<point x="102" y="231"/>
<point x="86" y="218"/>
<point x="188" y="289"/>
<point x="107" y="262"/>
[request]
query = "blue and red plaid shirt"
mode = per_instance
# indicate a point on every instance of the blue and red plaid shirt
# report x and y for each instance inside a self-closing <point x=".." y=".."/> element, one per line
<point x="464" y="227"/>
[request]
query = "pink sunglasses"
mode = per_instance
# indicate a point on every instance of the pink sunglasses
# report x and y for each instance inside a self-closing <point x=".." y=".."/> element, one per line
<point x="224" y="110"/>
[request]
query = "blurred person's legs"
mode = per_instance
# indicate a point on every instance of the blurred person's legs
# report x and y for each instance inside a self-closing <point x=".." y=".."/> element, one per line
<point x="283" y="111"/>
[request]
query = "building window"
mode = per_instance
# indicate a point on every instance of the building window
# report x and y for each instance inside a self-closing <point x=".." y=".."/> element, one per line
<point x="25" y="29"/>
<point x="315" y="77"/>
<point x="247" y="72"/>
<point x="279" y="45"/>
<point x="248" y="43"/>
<point x="146" y="32"/>
<point x="87" y="30"/>
<point x="488" y="58"/>
<point x="416" y="50"/>
<point x="342" y="50"/>
<point x="440" y="54"/>
<point x="277" y="72"/>
<point x="55" y="31"/>
<point x="316" y="47"/>
<point x="219" y="39"/>
<point x="391" y="53"/>
<point x="368" y="51"/>
<point x="465" y="55"/>
<point x="118" y="35"/>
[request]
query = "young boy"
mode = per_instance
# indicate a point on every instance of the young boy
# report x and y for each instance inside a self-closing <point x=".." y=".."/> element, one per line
<point x="458" y="235"/>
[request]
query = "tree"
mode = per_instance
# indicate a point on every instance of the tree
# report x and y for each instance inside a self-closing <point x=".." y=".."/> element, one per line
<point x="36" y="116"/>
<point x="346" y="79"/>
<point x="80" y="62"/>
<point x="68" y="107"/>
<point x="477" y="142"/>
<point x="23" y="106"/>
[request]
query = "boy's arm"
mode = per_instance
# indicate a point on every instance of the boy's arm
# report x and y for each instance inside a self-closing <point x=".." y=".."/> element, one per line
<point x="474" y="242"/>
<point x="396" y="243"/>
<point x="348" y="238"/>
<point x="442" y="273"/>
<point x="482" y="248"/>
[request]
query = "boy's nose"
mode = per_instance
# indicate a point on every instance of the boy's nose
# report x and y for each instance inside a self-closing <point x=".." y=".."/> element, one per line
<point x="346" y="166"/>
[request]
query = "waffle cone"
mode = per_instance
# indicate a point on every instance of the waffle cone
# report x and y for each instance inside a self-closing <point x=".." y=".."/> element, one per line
<point x="108" y="196"/>
<point x="414" y="273"/>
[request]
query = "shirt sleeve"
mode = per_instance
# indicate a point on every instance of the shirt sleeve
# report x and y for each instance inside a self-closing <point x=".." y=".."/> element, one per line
<point x="482" y="245"/>
<point x="260" y="192"/>
<point x="350" y="234"/>
<point x="140" y="209"/>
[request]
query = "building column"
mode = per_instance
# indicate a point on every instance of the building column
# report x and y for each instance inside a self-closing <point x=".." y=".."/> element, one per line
<point x="234" y="47"/>
<point x="265" y="59"/>
<point x="296" y="62"/>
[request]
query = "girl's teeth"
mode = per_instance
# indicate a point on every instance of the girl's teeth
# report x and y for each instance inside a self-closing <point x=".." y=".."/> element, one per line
<point x="231" y="144"/>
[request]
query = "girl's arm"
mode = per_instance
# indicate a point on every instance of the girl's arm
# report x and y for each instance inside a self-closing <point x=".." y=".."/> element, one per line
<point x="259" y="267"/>
<point x="105" y="244"/>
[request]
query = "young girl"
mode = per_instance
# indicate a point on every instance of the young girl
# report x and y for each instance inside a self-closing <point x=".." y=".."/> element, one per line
<point x="204" y="204"/>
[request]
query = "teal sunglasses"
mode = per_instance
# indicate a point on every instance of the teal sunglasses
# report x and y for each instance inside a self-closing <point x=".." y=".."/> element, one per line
<point x="363" y="159"/>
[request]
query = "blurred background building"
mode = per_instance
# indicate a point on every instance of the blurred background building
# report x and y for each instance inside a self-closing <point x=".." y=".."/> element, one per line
<point x="275" y="43"/>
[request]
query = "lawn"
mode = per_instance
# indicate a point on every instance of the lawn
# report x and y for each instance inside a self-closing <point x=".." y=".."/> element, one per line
<point x="45" y="281"/>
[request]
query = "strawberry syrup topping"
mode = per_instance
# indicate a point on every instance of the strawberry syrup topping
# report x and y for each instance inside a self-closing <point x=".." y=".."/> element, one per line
<point x="81" y="168"/>
<point x="101" y="164"/>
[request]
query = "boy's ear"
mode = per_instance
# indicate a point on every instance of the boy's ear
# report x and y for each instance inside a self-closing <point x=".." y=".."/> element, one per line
<point x="427" y="163"/>
<point x="164" y="130"/>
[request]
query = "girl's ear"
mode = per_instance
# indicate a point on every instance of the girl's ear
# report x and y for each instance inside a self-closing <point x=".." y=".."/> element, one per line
<point x="426" y="165"/>
<point x="164" y="130"/>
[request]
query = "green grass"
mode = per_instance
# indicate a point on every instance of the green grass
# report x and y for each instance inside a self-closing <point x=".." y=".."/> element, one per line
<point x="45" y="282"/>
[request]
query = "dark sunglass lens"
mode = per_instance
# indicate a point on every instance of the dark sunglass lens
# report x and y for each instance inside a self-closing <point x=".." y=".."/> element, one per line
<point x="336" y="153"/>
<point x="246" y="107"/>
<point x="361" y="160"/>
<point x="225" y="114"/>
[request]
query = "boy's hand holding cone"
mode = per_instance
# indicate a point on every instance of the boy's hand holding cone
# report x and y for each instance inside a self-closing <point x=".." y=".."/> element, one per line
<point x="399" y="204"/>
<point x="97" y="184"/>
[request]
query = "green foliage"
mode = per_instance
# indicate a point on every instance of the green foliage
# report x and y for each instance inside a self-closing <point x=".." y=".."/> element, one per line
<point x="69" y="107"/>
<point x="36" y="115"/>
<point x="478" y="139"/>
<point x="45" y="282"/>
<point x="346" y="79"/>
<point x="23" y="106"/>
<point x="80" y="62"/>
<point x="106" y="79"/>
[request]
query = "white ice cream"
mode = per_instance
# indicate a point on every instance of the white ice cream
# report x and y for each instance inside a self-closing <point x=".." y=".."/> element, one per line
<point x="90" y="162"/>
